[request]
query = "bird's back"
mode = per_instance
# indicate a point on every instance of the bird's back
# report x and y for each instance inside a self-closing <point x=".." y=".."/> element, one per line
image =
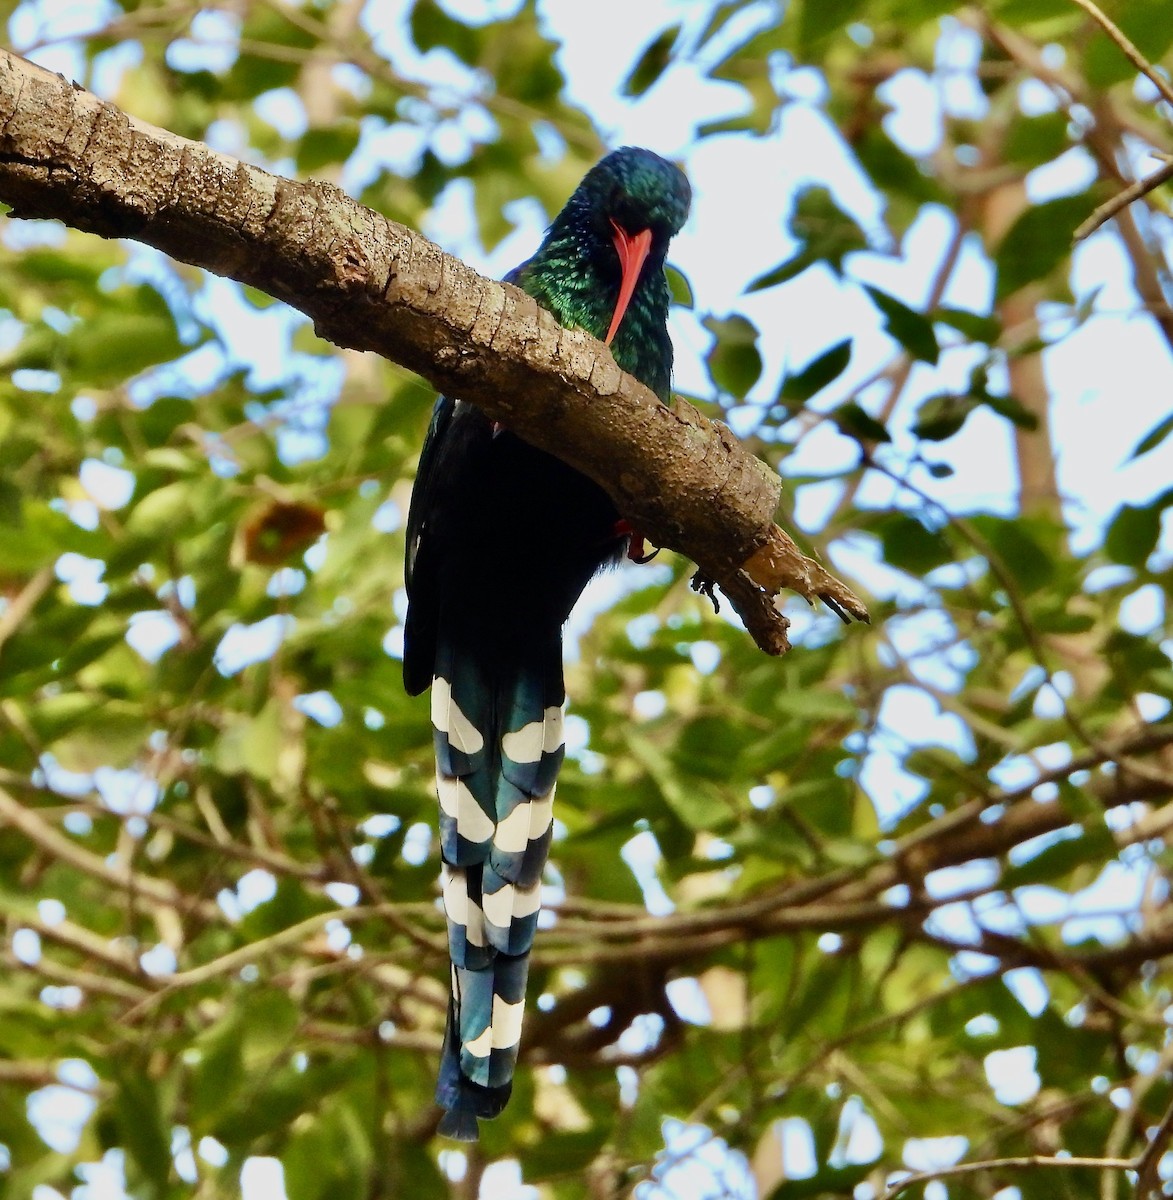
<point x="514" y="535"/>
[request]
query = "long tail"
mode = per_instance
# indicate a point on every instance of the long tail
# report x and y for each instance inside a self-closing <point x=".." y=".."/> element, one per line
<point x="498" y="736"/>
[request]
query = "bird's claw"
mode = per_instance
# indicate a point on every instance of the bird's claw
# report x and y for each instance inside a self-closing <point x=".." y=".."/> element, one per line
<point x="704" y="586"/>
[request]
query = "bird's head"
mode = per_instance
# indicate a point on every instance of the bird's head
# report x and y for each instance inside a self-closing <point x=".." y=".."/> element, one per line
<point x="638" y="190"/>
<point x="624" y="213"/>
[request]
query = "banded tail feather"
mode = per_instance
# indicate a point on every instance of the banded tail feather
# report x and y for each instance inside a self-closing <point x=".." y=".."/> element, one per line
<point x="501" y="540"/>
<point x="498" y="741"/>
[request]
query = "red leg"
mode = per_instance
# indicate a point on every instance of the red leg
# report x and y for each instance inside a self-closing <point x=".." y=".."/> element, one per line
<point x="636" y="549"/>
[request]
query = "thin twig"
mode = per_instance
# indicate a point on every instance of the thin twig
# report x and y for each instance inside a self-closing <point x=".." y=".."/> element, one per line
<point x="1024" y="1163"/>
<point x="1031" y="635"/>
<point x="20" y="605"/>
<point x="157" y="891"/>
<point x="1125" y="1126"/>
<point x="1133" y="55"/>
<point x="1102" y="140"/>
<point x="904" y="364"/>
<point x="78" y="939"/>
<point x="38" y="1074"/>
<point x="244" y="955"/>
<point x="1147" y="1179"/>
<point x="1134" y="191"/>
<point x="90" y="982"/>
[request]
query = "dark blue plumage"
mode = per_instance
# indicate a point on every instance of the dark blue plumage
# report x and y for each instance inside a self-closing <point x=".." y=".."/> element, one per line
<point x="501" y="540"/>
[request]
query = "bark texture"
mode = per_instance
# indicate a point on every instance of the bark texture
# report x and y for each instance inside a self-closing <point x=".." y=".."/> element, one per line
<point x="370" y="284"/>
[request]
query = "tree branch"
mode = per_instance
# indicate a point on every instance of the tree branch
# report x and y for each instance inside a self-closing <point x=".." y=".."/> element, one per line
<point x="369" y="284"/>
<point x="1130" y="52"/>
<point x="1148" y="1181"/>
<point x="1103" y="140"/>
<point x="1028" y="1162"/>
<point x="155" y="891"/>
<point x="1134" y="191"/>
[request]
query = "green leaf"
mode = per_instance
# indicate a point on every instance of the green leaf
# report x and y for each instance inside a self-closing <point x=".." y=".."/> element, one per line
<point x="1013" y="410"/>
<point x="432" y="28"/>
<point x="815" y="704"/>
<point x="907" y="544"/>
<point x="1038" y="242"/>
<point x="941" y="416"/>
<point x="1022" y="12"/>
<point x="824" y="232"/>
<point x="113" y="736"/>
<point x="1034" y="141"/>
<point x="256" y="297"/>
<point x="159" y="422"/>
<point x="256" y="71"/>
<point x="652" y="63"/>
<point x="1016" y="548"/>
<point x="760" y="99"/>
<point x="688" y="802"/>
<point x="734" y="362"/>
<point x="1146" y="24"/>
<point x="1139" y="659"/>
<point x="217" y="1073"/>
<point x="1133" y="533"/>
<point x="679" y="287"/>
<point x="823" y="228"/>
<point x="1153" y="438"/>
<point x="893" y="172"/>
<point x="975" y="326"/>
<point x="826" y="992"/>
<point x="328" y="1155"/>
<point x="707" y="747"/>
<point x="254" y="745"/>
<point x="165" y="509"/>
<point x="718" y="18"/>
<point x="290" y="905"/>
<point x="1059" y="620"/>
<point x="270" y="1019"/>
<point x="141" y="1123"/>
<point x="558" y="1154"/>
<point x="38" y="537"/>
<point x="10" y="514"/>
<point x="783" y="272"/>
<point x="817" y="374"/>
<point x="913" y="330"/>
<point x="115" y="346"/>
<point x="327" y="146"/>
<point x="857" y="423"/>
<point x="53" y="266"/>
<point x="818" y="20"/>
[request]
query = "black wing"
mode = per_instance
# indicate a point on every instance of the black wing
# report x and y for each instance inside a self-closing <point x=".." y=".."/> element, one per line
<point x="419" y="640"/>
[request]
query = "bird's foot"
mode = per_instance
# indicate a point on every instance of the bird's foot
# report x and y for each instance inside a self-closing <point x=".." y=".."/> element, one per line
<point x="637" y="547"/>
<point x="704" y="586"/>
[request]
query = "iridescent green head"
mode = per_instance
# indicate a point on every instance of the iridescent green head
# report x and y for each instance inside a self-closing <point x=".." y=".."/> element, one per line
<point x="636" y="190"/>
<point x="601" y="264"/>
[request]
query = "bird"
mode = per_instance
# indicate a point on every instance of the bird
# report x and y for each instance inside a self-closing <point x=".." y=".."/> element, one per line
<point x="501" y="540"/>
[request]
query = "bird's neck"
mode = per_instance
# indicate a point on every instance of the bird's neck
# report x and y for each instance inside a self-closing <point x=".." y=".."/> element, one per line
<point x="577" y="278"/>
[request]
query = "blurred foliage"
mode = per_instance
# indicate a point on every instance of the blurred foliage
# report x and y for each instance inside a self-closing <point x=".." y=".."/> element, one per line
<point x="216" y="869"/>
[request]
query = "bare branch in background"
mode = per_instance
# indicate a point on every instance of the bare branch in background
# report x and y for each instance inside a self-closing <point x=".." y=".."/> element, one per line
<point x="1109" y="209"/>
<point x="1133" y="55"/>
<point x="1024" y="1163"/>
